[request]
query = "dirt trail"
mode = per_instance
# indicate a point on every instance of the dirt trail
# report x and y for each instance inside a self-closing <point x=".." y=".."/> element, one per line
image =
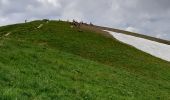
<point x="40" y="26"/>
<point x="4" y="37"/>
<point x="7" y="34"/>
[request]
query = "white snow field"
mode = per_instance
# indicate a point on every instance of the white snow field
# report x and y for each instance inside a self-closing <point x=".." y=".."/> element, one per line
<point x="156" y="49"/>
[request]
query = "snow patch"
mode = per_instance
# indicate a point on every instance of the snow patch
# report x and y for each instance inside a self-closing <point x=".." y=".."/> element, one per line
<point x="156" y="49"/>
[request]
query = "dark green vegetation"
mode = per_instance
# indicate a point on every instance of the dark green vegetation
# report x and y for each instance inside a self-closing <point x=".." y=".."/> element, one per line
<point x="61" y="63"/>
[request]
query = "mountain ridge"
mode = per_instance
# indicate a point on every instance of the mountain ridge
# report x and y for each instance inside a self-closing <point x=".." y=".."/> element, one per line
<point x="134" y="34"/>
<point x="58" y="61"/>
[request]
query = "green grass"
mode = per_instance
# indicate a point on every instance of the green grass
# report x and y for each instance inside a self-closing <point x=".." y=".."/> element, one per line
<point x="57" y="62"/>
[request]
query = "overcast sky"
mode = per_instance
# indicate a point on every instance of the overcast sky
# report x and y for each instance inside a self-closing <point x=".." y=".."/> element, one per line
<point x="151" y="17"/>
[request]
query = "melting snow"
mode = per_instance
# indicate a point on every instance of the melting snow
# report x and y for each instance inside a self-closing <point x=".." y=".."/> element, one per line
<point x="156" y="49"/>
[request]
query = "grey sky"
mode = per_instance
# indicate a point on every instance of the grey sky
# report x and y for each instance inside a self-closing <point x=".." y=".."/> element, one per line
<point x="151" y="17"/>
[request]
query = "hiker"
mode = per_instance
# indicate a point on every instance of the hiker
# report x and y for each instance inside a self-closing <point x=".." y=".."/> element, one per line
<point x="25" y="21"/>
<point x="76" y="24"/>
<point x="81" y="23"/>
<point x="91" y="24"/>
<point x="46" y="20"/>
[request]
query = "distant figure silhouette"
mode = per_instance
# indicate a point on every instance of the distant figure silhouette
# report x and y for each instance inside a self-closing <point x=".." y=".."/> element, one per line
<point x="76" y="24"/>
<point x="91" y="24"/>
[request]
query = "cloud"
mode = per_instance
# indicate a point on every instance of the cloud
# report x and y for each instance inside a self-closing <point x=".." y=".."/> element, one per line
<point x="131" y="29"/>
<point x="150" y="17"/>
<point x="54" y="3"/>
<point x="161" y="35"/>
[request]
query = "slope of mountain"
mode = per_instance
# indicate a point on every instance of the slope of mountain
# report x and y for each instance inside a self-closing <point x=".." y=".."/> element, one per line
<point x="57" y="61"/>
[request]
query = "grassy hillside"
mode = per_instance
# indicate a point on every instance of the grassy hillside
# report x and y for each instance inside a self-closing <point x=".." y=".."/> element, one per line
<point x="62" y="63"/>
